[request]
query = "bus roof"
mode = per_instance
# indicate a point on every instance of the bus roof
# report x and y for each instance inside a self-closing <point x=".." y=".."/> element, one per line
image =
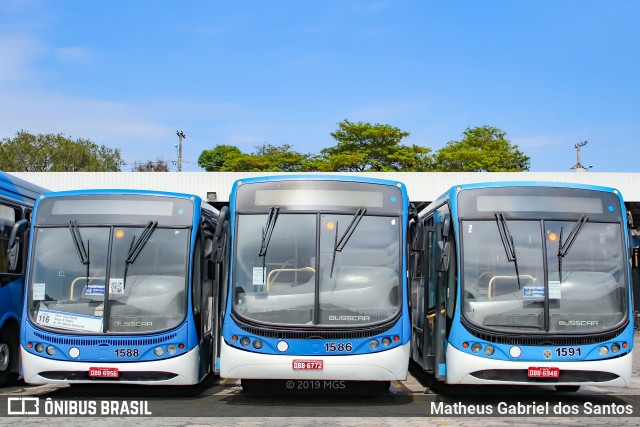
<point x="19" y="189"/>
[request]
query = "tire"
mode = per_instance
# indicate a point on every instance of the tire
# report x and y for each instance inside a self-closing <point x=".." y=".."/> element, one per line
<point x="8" y="353"/>
<point x="568" y="388"/>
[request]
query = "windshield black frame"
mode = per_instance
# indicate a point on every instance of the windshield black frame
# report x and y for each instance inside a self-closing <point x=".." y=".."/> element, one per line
<point x="132" y="279"/>
<point x="387" y="206"/>
<point x="548" y="226"/>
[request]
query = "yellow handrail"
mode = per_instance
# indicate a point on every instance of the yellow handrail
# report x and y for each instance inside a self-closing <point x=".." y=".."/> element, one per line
<point x="491" y="291"/>
<point x="280" y="270"/>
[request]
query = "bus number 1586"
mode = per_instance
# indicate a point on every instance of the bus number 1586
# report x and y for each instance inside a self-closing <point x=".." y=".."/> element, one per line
<point x="338" y="346"/>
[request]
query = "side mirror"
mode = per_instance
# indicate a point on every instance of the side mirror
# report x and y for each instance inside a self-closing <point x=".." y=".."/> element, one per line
<point x="416" y="230"/>
<point x="443" y="263"/>
<point x="222" y="218"/>
<point x="446" y="226"/>
<point x="13" y="252"/>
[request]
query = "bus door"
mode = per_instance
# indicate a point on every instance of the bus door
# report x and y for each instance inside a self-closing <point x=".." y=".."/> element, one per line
<point x="439" y="291"/>
<point x="203" y="294"/>
<point x="219" y="272"/>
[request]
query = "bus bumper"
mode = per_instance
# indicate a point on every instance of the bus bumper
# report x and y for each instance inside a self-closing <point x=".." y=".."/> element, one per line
<point x="179" y="370"/>
<point x="461" y="366"/>
<point x="389" y="365"/>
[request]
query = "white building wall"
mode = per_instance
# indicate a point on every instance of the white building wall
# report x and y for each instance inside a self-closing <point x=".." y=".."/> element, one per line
<point x="422" y="186"/>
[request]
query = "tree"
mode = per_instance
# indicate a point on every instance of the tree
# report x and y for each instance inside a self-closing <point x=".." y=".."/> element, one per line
<point x="213" y="160"/>
<point x="56" y="153"/>
<point x="366" y="147"/>
<point x="266" y="158"/>
<point x="482" y="149"/>
<point x="158" y="166"/>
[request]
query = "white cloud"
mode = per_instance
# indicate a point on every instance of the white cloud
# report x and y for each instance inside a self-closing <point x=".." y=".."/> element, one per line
<point x="74" y="55"/>
<point x="17" y="52"/>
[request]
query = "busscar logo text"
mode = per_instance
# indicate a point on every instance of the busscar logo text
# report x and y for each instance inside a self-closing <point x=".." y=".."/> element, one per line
<point x="350" y="318"/>
<point x="577" y="323"/>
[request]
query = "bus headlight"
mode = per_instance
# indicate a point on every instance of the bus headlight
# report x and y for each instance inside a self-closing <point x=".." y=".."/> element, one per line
<point x="386" y="341"/>
<point x="257" y="344"/>
<point x="476" y="348"/>
<point x="50" y="350"/>
<point x="171" y="349"/>
<point x="245" y="341"/>
<point x="488" y="350"/>
<point x="39" y="348"/>
<point x="603" y="351"/>
<point x="159" y="351"/>
<point x="615" y="347"/>
<point x="74" y="352"/>
<point x="374" y="344"/>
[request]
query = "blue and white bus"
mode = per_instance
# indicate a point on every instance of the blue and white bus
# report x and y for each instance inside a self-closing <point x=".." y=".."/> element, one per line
<point x="123" y="287"/>
<point x="318" y="284"/>
<point x="523" y="283"/>
<point x="16" y="204"/>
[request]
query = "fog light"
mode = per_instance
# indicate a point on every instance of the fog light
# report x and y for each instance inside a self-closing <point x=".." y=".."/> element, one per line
<point x="39" y="348"/>
<point x="257" y="344"/>
<point x="515" y="351"/>
<point x="488" y="350"/>
<point x="74" y="352"/>
<point x="245" y="341"/>
<point x="282" y="346"/>
<point x="159" y="351"/>
<point x="50" y="350"/>
<point x="386" y="341"/>
<point x="603" y="351"/>
<point x="373" y="344"/>
<point x="615" y="348"/>
<point x="476" y="348"/>
<point x="171" y="349"/>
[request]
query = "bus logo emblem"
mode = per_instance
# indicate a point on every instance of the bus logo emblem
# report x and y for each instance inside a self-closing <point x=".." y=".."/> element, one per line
<point x="547" y="354"/>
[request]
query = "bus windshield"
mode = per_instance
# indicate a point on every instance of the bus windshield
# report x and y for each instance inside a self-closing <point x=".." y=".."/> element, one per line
<point x="302" y="279"/>
<point x="582" y="289"/>
<point x="81" y="280"/>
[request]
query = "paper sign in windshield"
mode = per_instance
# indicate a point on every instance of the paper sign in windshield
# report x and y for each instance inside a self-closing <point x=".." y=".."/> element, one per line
<point x="76" y="322"/>
<point x="554" y="289"/>
<point x="533" y="292"/>
<point x="38" y="291"/>
<point x="116" y="286"/>
<point x="91" y="290"/>
<point x="258" y="275"/>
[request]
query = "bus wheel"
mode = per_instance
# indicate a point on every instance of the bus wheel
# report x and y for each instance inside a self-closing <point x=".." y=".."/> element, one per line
<point x="6" y="376"/>
<point x="568" y="388"/>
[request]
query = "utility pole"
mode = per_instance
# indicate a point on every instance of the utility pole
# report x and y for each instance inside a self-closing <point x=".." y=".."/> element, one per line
<point x="578" y="166"/>
<point x="180" y="137"/>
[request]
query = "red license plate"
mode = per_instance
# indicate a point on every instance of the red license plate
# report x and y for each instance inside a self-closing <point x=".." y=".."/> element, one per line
<point x="104" y="373"/>
<point x="308" y="364"/>
<point x="543" y="372"/>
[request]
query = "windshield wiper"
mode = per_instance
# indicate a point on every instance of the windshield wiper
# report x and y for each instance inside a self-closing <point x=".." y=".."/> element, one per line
<point x="507" y="242"/>
<point x="136" y="247"/>
<point x="339" y="244"/>
<point x="267" y="231"/>
<point x="134" y="250"/>
<point x="563" y="248"/>
<point x="83" y="253"/>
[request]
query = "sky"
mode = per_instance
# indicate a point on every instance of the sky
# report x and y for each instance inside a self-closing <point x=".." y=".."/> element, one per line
<point x="130" y="74"/>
